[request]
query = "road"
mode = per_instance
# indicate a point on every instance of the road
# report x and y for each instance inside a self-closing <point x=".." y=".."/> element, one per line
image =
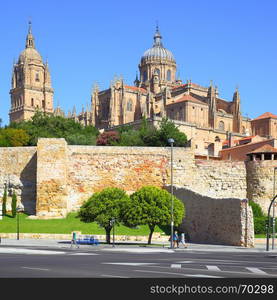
<point x="30" y="262"/>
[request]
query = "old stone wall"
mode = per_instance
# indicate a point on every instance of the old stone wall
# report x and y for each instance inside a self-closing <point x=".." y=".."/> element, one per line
<point x="220" y="178"/>
<point x="226" y="221"/>
<point x="260" y="182"/>
<point x="90" y="169"/>
<point x="52" y="189"/>
<point x="54" y="178"/>
<point x="18" y="173"/>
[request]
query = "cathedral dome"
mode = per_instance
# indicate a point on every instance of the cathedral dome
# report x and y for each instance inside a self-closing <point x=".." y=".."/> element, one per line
<point x="158" y="51"/>
<point x="29" y="54"/>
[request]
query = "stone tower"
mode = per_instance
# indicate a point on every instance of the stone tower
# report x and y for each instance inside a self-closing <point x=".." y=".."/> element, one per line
<point x="31" y="83"/>
<point x="157" y="67"/>
<point x="236" y="112"/>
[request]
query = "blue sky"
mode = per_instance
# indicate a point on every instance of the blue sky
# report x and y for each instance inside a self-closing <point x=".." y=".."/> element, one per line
<point x="233" y="43"/>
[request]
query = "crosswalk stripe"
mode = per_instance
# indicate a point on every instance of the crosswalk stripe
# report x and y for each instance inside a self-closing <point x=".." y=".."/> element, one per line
<point x="202" y="275"/>
<point x="81" y="253"/>
<point x="213" y="268"/>
<point x="178" y="266"/>
<point x="256" y="271"/>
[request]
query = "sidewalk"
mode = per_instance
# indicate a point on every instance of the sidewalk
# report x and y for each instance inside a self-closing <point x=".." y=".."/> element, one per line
<point x="63" y="244"/>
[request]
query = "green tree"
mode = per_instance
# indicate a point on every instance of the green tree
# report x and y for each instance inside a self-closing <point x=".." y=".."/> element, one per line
<point x="152" y="206"/>
<point x="4" y="201"/>
<point x="50" y="126"/>
<point x="169" y="130"/>
<point x="14" y="203"/>
<point x="11" y="137"/>
<point x="104" y="206"/>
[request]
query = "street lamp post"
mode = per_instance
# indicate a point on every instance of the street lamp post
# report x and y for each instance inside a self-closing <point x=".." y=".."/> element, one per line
<point x="112" y="223"/>
<point x="171" y="141"/>
<point x="273" y="213"/>
<point x="18" y="210"/>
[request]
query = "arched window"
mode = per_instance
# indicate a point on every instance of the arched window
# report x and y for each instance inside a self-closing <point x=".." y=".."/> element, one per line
<point x="221" y="125"/>
<point x="37" y="77"/>
<point x="157" y="71"/>
<point x="217" y="139"/>
<point x="32" y="102"/>
<point x="243" y="130"/>
<point x="144" y="76"/>
<point x="129" y="105"/>
<point x="168" y="75"/>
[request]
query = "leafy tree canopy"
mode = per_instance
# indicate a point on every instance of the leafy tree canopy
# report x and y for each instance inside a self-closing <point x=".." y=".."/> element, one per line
<point x="12" y="137"/>
<point x="152" y="206"/>
<point x="104" y="206"/>
<point x="50" y="126"/>
<point x="148" y="135"/>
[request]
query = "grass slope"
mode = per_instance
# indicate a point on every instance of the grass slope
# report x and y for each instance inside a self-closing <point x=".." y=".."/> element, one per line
<point x="67" y="225"/>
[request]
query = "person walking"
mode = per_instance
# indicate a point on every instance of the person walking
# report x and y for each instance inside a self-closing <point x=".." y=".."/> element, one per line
<point x="183" y="240"/>
<point x="175" y="240"/>
<point x="74" y="240"/>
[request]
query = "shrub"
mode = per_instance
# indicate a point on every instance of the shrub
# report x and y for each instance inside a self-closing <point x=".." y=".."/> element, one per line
<point x="14" y="200"/>
<point x="108" y="138"/>
<point x="260" y="225"/>
<point x="4" y="202"/>
<point x="257" y="210"/>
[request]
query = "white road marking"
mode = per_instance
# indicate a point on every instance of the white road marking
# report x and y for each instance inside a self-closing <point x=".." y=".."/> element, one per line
<point x="142" y="250"/>
<point x="129" y="264"/>
<point x="29" y="251"/>
<point x="177" y="266"/>
<point x="202" y="275"/>
<point x="257" y="271"/>
<point x="35" y="269"/>
<point x="180" y="274"/>
<point x="213" y="268"/>
<point x="81" y="253"/>
<point x="104" y="275"/>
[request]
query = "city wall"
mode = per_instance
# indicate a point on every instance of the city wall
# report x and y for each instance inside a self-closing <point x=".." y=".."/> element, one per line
<point x="53" y="178"/>
<point x="226" y="221"/>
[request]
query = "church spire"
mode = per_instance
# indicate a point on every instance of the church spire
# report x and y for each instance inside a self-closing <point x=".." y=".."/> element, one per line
<point x="157" y="38"/>
<point x="30" y="41"/>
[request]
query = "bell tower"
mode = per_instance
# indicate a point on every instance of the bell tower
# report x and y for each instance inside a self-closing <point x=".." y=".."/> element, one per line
<point x="31" y="83"/>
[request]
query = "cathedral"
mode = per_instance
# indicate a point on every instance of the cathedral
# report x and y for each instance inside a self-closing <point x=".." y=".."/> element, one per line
<point x="198" y="111"/>
<point x="31" y="83"/>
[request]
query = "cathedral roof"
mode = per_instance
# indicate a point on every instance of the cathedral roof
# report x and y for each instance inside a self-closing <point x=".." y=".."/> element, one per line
<point x="158" y="51"/>
<point x="30" y="52"/>
<point x="265" y="116"/>
<point x="134" y="88"/>
<point x="185" y="98"/>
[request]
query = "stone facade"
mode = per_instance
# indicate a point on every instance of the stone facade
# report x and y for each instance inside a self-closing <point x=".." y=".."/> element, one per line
<point x="226" y="221"/>
<point x="18" y="169"/>
<point x="53" y="178"/>
<point x="52" y="195"/>
<point x="31" y="84"/>
<point x="200" y="112"/>
<point x="260" y="182"/>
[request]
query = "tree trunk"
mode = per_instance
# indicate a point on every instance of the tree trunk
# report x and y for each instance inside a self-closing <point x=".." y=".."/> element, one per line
<point x="151" y="227"/>
<point x="108" y="234"/>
